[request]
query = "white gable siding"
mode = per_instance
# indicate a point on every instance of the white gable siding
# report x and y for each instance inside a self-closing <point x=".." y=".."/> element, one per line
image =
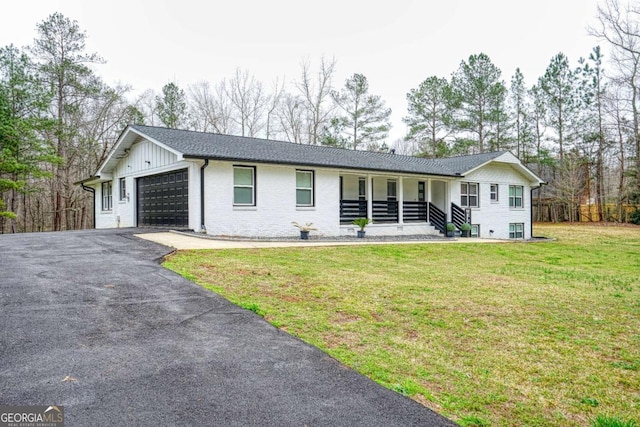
<point x="498" y="215"/>
<point x="275" y="202"/>
<point x="495" y="172"/>
<point x="144" y="158"/>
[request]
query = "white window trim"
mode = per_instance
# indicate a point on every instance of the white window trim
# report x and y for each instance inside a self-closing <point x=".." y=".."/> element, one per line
<point x="122" y="196"/>
<point x="252" y="186"/>
<point x="107" y="198"/>
<point x="477" y="195"/>
<point x="513" y="198"/>
<point x="497" y="193"/>
<point x="515" y="231"/>
<point x="311" y="189"/>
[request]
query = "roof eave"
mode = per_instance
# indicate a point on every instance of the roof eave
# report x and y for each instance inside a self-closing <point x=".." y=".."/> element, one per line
<point x="96" y="179"/>
<point x="533" y="178"/>
<point x="91" y="180"/>
<point x="320" y="165"/>
<point x="124" y="142"/>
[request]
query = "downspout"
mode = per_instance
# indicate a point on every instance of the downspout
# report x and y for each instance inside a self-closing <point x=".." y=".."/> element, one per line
<point x="92" y="191"/>
<point x="531" y="211"/>
<point x="202" y="227"/>
<point x="539" y="188"/>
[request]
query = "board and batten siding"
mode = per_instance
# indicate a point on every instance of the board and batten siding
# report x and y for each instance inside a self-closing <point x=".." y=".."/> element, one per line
<point x="145" y="155"/>
<point x="498" y="215"/>
<point x="144" y="159"/>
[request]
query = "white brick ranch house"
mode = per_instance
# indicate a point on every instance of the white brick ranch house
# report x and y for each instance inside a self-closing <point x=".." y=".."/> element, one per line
<point x="238" y="186"/>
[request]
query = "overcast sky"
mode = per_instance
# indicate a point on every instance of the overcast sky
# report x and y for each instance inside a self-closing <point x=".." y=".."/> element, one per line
<point x="395" y="44"/>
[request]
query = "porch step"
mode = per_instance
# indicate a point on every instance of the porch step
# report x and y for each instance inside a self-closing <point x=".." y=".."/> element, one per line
<point x="432" y="231"/>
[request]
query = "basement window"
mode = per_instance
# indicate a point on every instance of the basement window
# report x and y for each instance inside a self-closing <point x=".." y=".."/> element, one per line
<point x="516" y="231"/>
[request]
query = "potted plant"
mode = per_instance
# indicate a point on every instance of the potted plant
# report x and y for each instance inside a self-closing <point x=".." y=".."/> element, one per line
<point x="304" y="229"/>
<point x="362" y="223"/>
<point x="451" y="229"/>
<point x="466" y="229"/>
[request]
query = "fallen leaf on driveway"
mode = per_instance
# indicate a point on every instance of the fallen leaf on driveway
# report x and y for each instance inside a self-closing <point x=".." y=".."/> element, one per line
<point x="69" y="379"/>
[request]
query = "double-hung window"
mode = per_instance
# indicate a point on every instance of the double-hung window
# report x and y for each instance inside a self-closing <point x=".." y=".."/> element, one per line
<point x="493" y="193"/>
<point x="516" y="231"/>
<point x="123" y="189"/>
<point x="469" y="194"/>
<point x="515" y="196"/>
<point x="304" y="188"/>
<point x="244" y="185"/>
<point x="107" y="199"/>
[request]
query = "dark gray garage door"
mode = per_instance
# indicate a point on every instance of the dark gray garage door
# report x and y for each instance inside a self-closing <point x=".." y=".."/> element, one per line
<point x="163" y="200"/>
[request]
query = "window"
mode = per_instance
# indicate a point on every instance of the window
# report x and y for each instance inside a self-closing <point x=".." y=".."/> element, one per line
<point x="362" y="188"/>
<point x="469" y="194"/>
<point x="515" y="196"/>
<point x="304" y="188"/>
<point x="494" y="193"/>
<point x="516" y="231"/>
<point x="244" y="188"/>
<point x="107" y="201"/>
<point x="123" y="189"/>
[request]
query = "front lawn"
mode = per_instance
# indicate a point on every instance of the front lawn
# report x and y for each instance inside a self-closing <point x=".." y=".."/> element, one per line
<point x="485" y="334"/>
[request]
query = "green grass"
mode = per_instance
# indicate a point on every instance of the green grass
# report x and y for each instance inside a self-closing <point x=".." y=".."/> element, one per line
<point x="486" y="334"/>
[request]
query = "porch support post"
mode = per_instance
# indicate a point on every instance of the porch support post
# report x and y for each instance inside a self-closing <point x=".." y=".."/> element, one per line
<point x="400" y="200"/>
<point x="428" y="198"/>
<point x="447" y="199"/>
<point x="369" y="197"/>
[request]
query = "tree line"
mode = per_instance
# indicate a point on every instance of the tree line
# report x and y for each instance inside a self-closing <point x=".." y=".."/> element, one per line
<point x="578" y="126"/>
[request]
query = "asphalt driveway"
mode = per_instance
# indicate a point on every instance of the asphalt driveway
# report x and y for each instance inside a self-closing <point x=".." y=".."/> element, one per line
<point x="91" y="321"/>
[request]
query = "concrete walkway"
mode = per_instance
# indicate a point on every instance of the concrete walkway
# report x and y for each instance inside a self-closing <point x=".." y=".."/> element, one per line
<point x="183" y="241"/>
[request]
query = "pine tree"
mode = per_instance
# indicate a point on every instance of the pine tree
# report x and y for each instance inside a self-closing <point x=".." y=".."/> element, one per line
<point x="366" y="119"/>
<point x="64" y="67"/>
<point x="171" y="106"/>
<point x="518" y="95"/>
<point x="592" y="92"/>
<point x="429" y="116"/>
<point x="23" y="153"/>
<point x="478" y="94"/>
<point x="557" y="84"/>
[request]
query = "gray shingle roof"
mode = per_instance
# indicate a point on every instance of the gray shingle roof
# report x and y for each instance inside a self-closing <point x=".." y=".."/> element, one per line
<point x="462" y="164"/>
<point x="237" y="148"/>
